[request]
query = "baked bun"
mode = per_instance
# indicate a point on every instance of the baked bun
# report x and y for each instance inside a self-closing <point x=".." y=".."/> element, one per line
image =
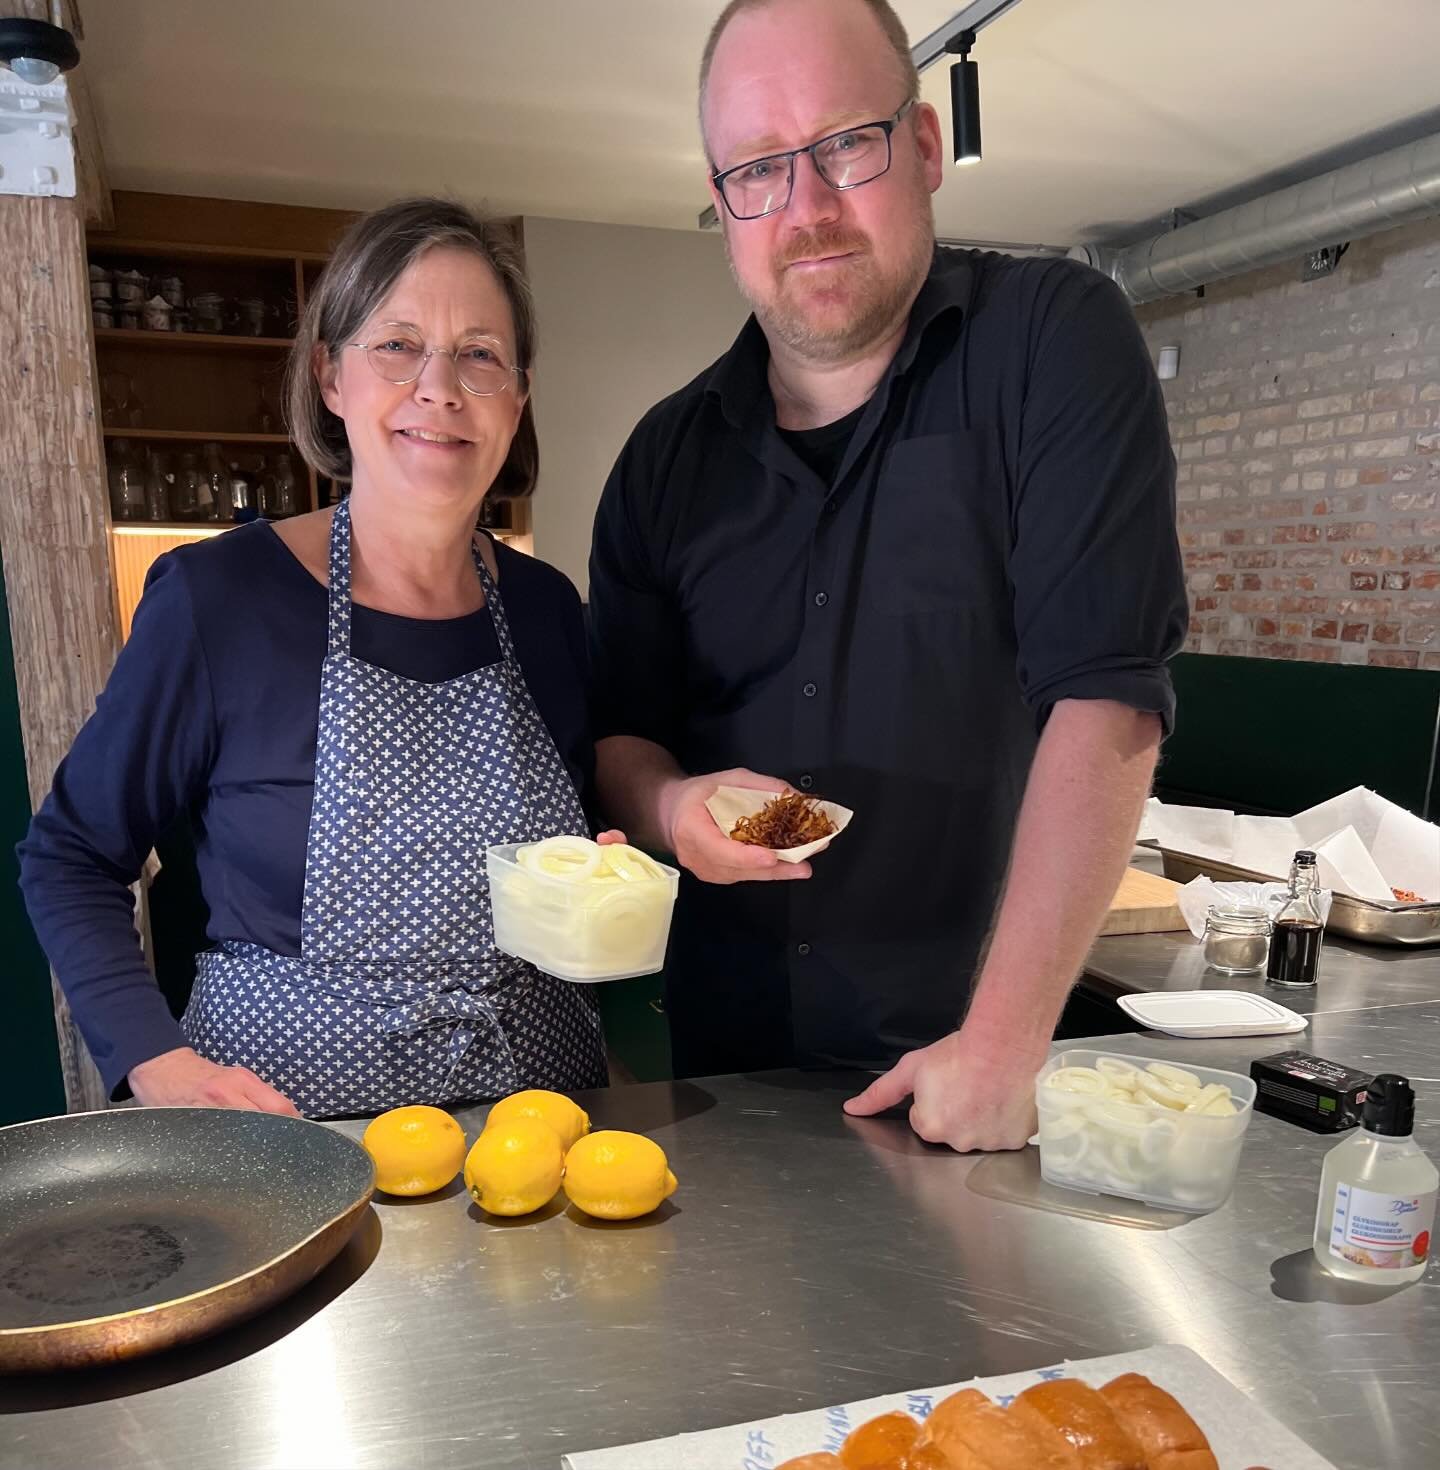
<point x="881" y="1443"/>
<point x="1170" y="1438"/>
<point x="967" y="1421"/>
<point x="1072" y="1410"/>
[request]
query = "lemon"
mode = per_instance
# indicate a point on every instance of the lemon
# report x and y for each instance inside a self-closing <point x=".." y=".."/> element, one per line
<point x="416" y="1150"/>
<point x="617" y="1176"/>
<point x="568" y="1120"/>
<point x="514" y="1167"/>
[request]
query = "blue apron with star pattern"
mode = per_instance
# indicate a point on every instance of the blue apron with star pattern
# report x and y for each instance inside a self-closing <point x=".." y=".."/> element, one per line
<point x="399" y="994"/>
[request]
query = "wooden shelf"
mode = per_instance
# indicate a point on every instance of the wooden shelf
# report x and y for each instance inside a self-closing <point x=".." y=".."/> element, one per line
<point x="188" y="341"/>
<point x="195" y="436"/>
<point x="101" y="244"/>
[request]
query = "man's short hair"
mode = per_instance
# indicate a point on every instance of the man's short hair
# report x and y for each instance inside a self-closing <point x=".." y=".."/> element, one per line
<point x="883" y="12"/>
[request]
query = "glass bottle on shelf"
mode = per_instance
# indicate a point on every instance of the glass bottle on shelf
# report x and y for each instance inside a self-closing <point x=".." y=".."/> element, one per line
<point x="186" y="492"/>
<point x="265" y="490"/>
<point x="242" y="495"/>
<point x="127" y="482"/>
<point x="157" y="488"/>
<point x="285" y="484"/>
<point x="217" y="483"/>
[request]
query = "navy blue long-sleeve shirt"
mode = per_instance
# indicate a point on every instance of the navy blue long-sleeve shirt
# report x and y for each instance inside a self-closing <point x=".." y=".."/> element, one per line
<point x="212" y="711"/>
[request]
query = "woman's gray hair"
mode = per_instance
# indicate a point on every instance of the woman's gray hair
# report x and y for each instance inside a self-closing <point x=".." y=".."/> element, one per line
<point x="370" y="257"/>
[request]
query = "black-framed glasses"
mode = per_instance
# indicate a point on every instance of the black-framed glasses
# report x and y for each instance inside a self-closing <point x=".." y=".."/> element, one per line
<point x="398" y="354"/>
<point x="845" y="160"/>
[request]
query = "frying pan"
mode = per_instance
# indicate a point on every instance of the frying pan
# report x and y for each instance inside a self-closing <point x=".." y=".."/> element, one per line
<point x="128" y="1231"/>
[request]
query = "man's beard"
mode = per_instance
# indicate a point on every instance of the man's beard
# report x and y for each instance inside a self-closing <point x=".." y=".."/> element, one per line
<point x="875" y="300"/>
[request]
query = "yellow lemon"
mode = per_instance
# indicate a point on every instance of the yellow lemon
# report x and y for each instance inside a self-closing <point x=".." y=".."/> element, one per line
<point x="514" y="1167"/>
<point x="416" y="1150"/>
<point x="568" y="1120"/>
<point x="617" y="1176"/>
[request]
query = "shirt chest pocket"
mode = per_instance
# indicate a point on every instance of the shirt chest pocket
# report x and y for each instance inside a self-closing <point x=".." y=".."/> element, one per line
<point x="938" y="538"/>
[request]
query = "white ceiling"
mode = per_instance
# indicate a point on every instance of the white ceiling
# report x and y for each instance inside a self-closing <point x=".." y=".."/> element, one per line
<point x="1098" y="114"/>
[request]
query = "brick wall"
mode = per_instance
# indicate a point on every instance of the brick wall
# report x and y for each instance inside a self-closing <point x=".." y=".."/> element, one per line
<point x="1306" y="425"/>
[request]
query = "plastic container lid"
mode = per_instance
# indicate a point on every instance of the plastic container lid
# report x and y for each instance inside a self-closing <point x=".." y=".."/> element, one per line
<point x="1211" y="1013"/>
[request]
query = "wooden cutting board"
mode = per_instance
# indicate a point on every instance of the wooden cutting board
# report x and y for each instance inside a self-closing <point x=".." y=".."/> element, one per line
<point x="1144" y="904"/>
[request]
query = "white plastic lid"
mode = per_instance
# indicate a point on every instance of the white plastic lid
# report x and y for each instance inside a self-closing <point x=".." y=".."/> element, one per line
<point x="1211" y="1013"/>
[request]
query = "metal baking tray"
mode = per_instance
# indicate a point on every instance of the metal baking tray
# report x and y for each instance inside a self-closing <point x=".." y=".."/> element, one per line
<point x="1410" y="924"/>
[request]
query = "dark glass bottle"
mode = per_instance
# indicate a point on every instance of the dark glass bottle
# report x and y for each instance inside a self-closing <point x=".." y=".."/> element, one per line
<point x="1295" y="941"/>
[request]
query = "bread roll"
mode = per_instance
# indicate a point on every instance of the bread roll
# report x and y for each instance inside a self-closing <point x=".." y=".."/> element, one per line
<point x="1074" y="1411"/>
<point x="968" y="1422"/>
<point x="1171" y="1439"/>
<point x="880" y="1443"/>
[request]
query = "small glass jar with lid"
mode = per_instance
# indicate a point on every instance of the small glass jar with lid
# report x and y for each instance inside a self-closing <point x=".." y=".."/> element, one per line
<point x="1237" y="939"/>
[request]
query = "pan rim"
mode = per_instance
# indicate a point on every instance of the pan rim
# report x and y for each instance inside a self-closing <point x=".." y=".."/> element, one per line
<point x="78" y="1323"/>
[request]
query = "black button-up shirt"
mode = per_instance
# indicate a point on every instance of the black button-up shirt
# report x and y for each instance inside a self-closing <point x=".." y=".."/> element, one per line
<point x="999" y="536"/>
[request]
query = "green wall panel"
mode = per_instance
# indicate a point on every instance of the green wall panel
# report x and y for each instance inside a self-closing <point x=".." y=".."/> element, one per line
<point x="30" y="1082"/>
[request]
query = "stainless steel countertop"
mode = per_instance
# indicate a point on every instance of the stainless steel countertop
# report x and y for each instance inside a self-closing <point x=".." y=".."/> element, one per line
<point x="807" y="1259"/>
<point x="1352" y="976"/>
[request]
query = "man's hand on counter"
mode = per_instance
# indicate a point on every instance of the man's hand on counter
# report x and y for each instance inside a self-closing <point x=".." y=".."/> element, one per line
<point x="966" y="1093"/>
<point x="184" y="1079"/>
<point x="703" y="848"/>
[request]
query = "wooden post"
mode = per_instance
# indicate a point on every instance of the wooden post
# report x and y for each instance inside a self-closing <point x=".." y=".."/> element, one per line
<point x="53" y="503"/>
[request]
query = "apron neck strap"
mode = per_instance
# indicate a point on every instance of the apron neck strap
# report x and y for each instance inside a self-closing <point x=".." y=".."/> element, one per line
<point x="339" y="636"/>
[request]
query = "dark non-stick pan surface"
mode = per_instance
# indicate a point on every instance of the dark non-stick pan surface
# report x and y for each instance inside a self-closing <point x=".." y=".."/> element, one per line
<point x="123" y="1232"/>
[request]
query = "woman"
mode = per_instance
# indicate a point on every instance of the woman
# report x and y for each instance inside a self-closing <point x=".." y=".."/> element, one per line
<point x="350" y="713"/>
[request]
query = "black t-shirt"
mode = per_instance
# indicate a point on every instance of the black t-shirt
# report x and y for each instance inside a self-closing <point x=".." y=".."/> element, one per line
<point x="824" y="448"/>
<point x="999" y="535"/>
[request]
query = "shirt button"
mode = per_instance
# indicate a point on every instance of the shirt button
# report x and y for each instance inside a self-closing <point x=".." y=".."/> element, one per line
<point x="809" y="691"/>
<point x="806" y="781"/>
<point x="802" y="949"/>
<point x="821" y="598"/>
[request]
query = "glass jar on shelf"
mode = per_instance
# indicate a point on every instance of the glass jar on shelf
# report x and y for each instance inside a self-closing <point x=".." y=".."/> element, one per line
<point x="127" y="482"/>
<point x="285" y="487"/>
<point x="249" y="317"/>
<point x="207" y="312"/>
<point x="242" y="495"/>
<point x="185" y="497"/>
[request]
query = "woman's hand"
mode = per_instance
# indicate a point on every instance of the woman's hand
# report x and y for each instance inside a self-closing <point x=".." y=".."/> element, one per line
<point x="184" y="1079"/>
<point x="606" y="839"/>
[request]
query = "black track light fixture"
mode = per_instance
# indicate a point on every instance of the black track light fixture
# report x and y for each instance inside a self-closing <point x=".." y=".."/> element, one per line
<point x="964" y="98"/>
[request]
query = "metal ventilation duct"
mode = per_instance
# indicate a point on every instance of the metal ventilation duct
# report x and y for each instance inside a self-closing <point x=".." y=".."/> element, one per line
<point x="1363" y="198"/>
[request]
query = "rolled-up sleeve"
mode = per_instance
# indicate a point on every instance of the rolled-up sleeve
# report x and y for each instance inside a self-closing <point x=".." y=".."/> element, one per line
<point x="636" y="672"/>
<point x="1098" y="583"/>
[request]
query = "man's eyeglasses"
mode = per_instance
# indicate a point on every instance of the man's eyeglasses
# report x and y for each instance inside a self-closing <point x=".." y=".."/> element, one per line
<point x="845" y="160"/>
<point x="399" y="354"/>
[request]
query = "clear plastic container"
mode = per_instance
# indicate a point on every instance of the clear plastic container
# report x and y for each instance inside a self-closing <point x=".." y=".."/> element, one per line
<point x="1173" y="1160"/>
<point x="586" y="931"/>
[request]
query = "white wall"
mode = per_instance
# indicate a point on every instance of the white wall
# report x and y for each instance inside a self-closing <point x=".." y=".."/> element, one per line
<point x="627" y="316"/>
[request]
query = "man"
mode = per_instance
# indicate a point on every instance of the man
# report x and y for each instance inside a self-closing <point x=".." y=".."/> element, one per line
<point x="909" y="545"/>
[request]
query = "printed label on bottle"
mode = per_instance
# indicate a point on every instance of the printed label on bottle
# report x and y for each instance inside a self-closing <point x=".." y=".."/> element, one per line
<point x="1385" y="1231"/>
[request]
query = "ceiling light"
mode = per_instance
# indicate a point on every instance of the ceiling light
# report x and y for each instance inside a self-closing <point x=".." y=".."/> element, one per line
<point x="964" y="99"/>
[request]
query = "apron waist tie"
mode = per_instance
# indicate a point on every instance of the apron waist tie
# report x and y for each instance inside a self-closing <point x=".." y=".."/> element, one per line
<point x="412" y="1017"/>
